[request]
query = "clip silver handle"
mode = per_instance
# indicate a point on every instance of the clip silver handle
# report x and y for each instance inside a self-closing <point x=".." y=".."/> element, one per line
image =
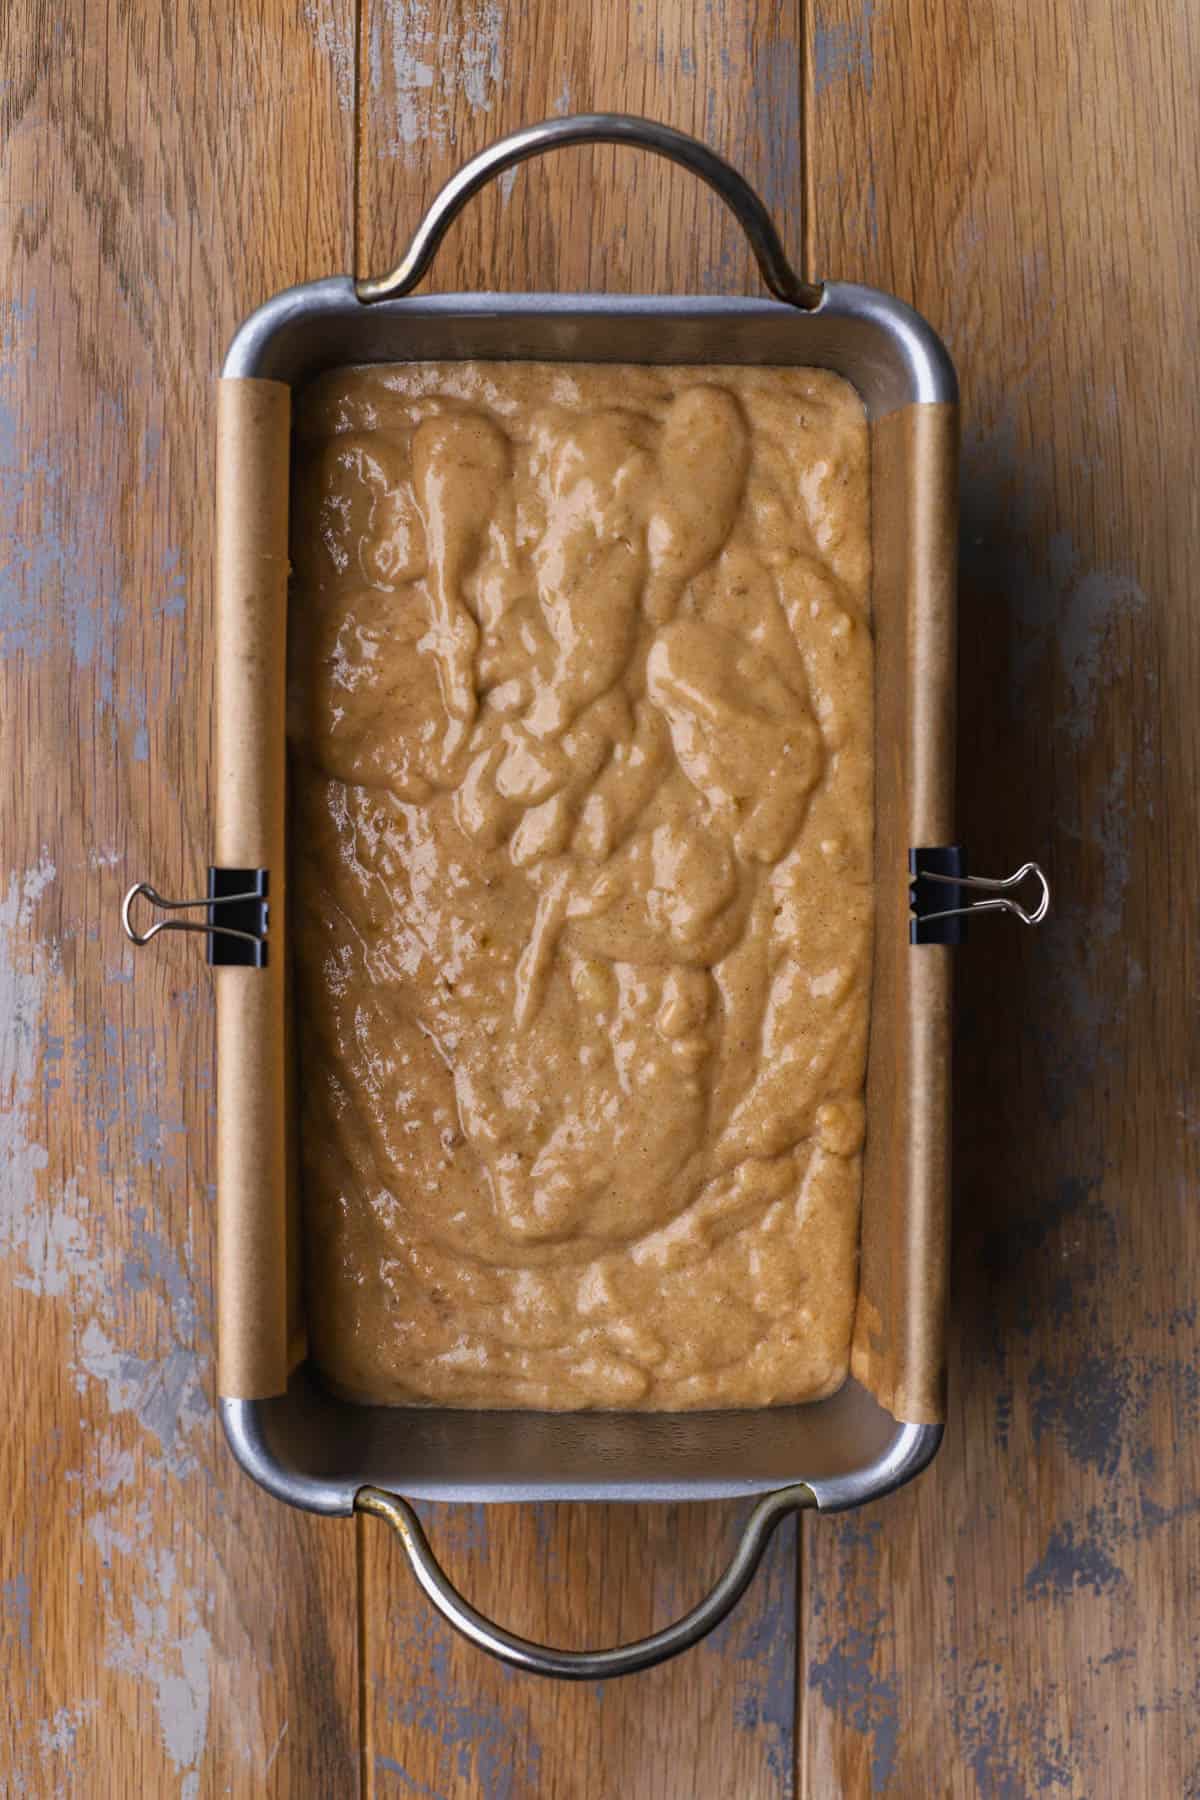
<point x="598" y="128"/>
<point x="1001" y="903"/>
<point x="586" y="1665"/>
<point x="143" y="889"/>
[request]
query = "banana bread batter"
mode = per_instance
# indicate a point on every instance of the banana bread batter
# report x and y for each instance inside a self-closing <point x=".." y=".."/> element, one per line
<point x="581" y="727"/>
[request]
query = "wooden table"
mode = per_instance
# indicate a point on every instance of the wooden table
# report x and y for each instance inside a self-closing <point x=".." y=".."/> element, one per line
<point x="1024" y="1620"/>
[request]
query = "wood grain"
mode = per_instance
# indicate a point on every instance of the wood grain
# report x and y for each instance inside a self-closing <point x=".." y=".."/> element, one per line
<point x="447" y="1720"/>
<point x="1023" y="1621"/>
<point x="166" y="1628"/>
<point x="439" y="81"/>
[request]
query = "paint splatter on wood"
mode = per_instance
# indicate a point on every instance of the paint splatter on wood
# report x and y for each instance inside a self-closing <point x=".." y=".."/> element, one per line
<point x="145" y="1644"/>
<point x="1030" y="1605"/>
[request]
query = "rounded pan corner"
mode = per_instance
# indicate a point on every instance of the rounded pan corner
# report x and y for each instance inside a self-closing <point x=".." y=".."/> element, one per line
<point x="911" y="365"/>
<point x="272" y="343"/>
<point x="909" y="1452"/>
<point x="251" y="1428"/>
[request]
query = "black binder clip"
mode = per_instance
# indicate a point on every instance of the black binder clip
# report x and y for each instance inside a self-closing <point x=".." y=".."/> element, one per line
<point x="236" y="921"/>
<point x="936" y="868"/>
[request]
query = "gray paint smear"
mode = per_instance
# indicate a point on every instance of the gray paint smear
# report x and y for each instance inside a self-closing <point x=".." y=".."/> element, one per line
<point x="775" y="147"/>
<point x="165" y="1393"/>
<point x="59" y="1244"/>
<point x="759" y="1641"/>
<point x="428" y="70"/>
<point x="492" y="1748"/>
<point x="843" y="51"/>
<point x="842" y="1663"/>
<point x="1010" y="1748"/>
<point x="846" y="1680"/>
<point x="16" y="1604"/>
<point x="1070" y="1563"/>
<point x="41" y="1243"/>
<point x="57" y="556"/>
<point x="332" y="31"/>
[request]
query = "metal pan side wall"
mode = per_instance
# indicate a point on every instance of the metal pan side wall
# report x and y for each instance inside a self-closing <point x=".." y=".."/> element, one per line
<point x="314" y="1451"/>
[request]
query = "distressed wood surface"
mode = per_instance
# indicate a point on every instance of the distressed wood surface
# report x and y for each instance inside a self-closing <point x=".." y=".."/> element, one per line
<point x="441" y="79"/>
<point x="1024" y="1621"/>
<point x="438" y="82"/>
<point x="165" y="1628"/>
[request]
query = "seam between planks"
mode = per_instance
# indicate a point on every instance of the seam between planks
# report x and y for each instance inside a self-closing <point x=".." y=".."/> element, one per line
<point x="808" y="226"/>
<point x="366" y="1723"/>
<point x="361" y="50"/>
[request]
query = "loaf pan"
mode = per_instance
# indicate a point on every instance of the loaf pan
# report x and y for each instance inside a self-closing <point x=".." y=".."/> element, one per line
<point x="317" y="1452"/>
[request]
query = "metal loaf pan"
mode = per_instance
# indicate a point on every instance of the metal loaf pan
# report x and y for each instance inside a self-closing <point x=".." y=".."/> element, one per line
<point x="290" y="1435"/>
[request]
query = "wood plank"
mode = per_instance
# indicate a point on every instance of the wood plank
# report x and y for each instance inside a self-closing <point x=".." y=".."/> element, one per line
<point x="166" y="1628"/>
<point x="1024" y="1620"/>
<point x="440" y="81"/>
<point x="447" y="1720"/>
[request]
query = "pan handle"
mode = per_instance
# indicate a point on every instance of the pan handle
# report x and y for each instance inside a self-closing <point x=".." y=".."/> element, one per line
<point x="598" y="128"/>
<point x="586" y="1665"/>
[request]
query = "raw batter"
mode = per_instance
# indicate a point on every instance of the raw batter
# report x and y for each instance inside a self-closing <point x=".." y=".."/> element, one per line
<point x="581" y="734"/>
